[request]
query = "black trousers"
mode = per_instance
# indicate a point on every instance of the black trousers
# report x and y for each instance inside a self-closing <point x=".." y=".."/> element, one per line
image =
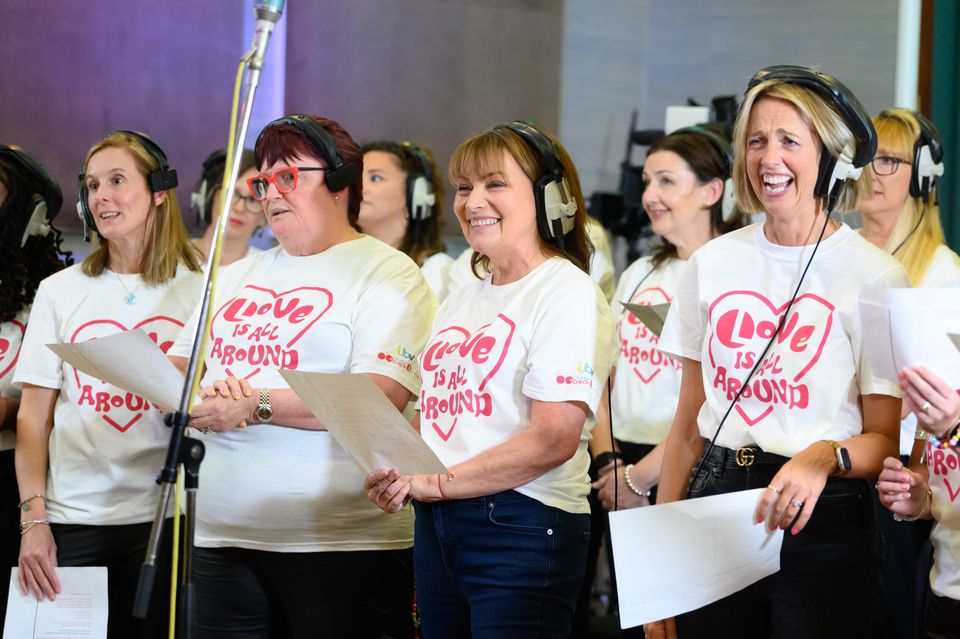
<point x="829" y="582"/>
<point x="941" y="619"/>
<point x="255" y="594"/>
<point x="122" y="550"/>
<point x="9" y="527"/>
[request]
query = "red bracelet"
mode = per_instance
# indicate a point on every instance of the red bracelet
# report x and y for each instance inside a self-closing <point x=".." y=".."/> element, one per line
<point x="440" y="486"/>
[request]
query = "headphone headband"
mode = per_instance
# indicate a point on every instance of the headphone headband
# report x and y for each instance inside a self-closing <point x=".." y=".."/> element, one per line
<point x="163" y="179"/>
<point x="339" y="175"/>
<point x="556" y="206"/>
<point x="835" y="93"/>
<point x="722" y="146"/>
<point x="834" y="170"/>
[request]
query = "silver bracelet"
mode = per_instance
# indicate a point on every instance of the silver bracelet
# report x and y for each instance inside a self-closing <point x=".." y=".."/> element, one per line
<point x="927" y="501"/>
<point x="633" y="488"/>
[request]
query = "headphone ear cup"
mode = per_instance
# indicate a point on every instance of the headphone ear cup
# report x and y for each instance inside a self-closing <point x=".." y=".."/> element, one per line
<point x="340" y="178"/>
<point x="833" y="172"/>
<point x="86" y="216"/>
<point x="37" y="224"/>
<point x="728" y="200"/>
<point x="420" y="199"/>
<point x="555" y="208"/>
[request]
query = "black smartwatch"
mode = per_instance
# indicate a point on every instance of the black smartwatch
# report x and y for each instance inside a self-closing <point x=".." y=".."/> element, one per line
<point x="843" y="457"/>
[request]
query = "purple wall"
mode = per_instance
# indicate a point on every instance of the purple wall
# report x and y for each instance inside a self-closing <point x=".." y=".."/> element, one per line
<point x="433" y="71"/>
<point x="74" y="71"/>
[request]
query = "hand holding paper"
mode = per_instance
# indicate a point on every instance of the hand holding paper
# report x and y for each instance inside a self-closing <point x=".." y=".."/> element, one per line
<point x="911" y="327"/>
<point x="364" y="422"/>
<point x="129" y="360"/>
<point x="668" y="564"/>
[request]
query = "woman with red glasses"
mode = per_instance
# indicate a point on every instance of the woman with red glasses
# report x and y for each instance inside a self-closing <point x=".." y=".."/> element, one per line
<point x="287" y="543"/>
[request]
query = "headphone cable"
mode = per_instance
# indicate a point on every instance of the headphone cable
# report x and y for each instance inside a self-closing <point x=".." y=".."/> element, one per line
<point x="780" y="325"/>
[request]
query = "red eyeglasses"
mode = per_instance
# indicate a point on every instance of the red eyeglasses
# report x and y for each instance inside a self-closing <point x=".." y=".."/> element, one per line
<point x="284" y="179"/>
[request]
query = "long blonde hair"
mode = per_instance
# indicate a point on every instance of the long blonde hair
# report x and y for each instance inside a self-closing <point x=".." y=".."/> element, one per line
<point x="897" y="132"/>
<point x="167" y="244"/>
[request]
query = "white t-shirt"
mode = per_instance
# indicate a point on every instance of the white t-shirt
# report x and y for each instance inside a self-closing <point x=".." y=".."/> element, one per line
<point x="944" y="466"/>
<point x="11" y="337"/>
<point x="358" y="307"/>
<point x="107" y="445"/>
<point x="436" y="269"/>
<point x="943" y="272"/>
<point x="601" y="264"/>
<point x="809" y="385"/>
<point x="944" y="269"/>
<point x="494" y="349"/>
<point x="647" y="384"/>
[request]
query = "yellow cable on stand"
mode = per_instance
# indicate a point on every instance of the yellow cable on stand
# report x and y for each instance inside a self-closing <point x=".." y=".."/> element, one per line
<point x="214" y="267"/>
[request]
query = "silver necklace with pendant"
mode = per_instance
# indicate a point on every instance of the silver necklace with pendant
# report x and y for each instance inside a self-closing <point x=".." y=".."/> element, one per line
<point x="130" y="299"/>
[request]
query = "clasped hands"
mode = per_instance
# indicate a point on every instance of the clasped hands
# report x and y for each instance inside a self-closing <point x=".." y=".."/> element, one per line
<point x="227" y="404"/>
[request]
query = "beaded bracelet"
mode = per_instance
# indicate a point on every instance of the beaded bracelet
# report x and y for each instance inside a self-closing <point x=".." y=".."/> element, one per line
<point x="25" y="504"/>
<point x="633" y="488"/>
<point x="951" y="439"/>
<point x="27" y="525"/>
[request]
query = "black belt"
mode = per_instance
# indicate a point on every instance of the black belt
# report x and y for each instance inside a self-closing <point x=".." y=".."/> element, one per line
<point x="744" y="457"/>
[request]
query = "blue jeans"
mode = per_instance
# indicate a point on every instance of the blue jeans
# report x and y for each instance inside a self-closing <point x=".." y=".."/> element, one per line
<point x="829" y="582"/>
<point x="499" y="566"/>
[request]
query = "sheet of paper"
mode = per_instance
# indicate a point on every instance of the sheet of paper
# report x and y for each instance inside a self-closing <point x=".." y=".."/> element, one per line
<point x="79" y="611"/>
<point x="955" y="339"/>
<point x="129" y="360"/>
<point x="677" y="557"/>
<point x="652" y="315"/>
<point x="364" y="422"/>
<point x="910" y="327"/>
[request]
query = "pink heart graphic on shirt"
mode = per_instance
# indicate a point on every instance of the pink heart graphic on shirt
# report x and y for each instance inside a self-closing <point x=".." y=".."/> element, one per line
<point x="743" y="322"/>
<point x="638" y="344"/>
<point x="10" y="348"/>
<point x="121" y="409"/>
<point x="258" y="328"/>
<point x="950" y="492"/>
<point x="449" y="365"/>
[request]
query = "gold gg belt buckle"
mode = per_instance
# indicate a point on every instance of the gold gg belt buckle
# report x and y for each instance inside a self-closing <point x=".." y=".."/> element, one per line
<point x="745" y="457"/>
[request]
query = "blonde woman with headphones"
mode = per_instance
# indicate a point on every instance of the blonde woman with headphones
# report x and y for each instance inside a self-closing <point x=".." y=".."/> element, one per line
<point x="901" y="215"/>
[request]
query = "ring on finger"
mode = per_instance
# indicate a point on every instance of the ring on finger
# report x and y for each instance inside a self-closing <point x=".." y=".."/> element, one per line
<point x="206" y="430"/>
<point x="925" y="407"/>
<point x="796" y="503"/>
<point x="774" y="489"/>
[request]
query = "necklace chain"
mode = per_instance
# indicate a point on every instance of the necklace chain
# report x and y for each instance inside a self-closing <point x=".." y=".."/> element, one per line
<point x="130" y="299"/>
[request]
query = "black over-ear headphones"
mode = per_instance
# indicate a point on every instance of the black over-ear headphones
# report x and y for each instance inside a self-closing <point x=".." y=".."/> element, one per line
<point x="163" y="179"/>
<point x="338" y="175"/>
<point x="420" y="195"/>
<point x="556" y="206"/>
<point x="210" y="179"/>
<point x="728" y="199"/>
<point x="45" y="193"/>
<point x="927" y="167"/>
<point x="833" y="170"/>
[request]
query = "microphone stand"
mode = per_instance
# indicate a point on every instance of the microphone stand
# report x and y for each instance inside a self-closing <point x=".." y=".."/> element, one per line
<point x="183" y="450"/>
